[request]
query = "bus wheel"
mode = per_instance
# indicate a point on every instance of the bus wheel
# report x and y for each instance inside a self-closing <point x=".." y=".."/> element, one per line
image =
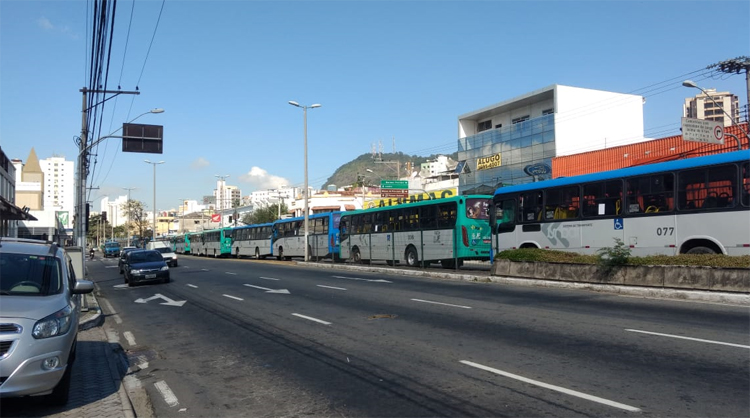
<point x="310" y="254"/>
<point x="412" y="259"/>
<point x="281" y="254"/>
<point x="701" y="250"/>
<point x="448" y="263"/>
<point x="356" y="256"/>
<point x="237" y="254"/>
<point x="257" y="254"/>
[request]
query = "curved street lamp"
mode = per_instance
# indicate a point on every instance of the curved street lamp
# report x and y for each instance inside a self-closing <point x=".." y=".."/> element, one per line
<point x="307" y="192"/>
<point x="153" y="230"/>
<point x="691" y="83"/>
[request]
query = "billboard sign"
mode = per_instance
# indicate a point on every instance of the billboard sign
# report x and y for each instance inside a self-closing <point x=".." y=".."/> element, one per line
<point x="492" y="161"/>
<point x="142" y="138"/>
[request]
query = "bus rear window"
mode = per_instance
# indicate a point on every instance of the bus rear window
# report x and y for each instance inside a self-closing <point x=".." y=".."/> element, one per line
<point x="478" y="208"/>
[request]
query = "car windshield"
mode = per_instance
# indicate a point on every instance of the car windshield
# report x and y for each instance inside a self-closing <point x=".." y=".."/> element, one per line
<point x="164" y="250"/>
<point x="145" y="257"/>
<point x="32" y="275"/>
<point x="111" y="245"/>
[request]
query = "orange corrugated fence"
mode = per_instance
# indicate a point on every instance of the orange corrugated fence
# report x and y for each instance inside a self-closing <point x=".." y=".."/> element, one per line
<point x="658" y="150"/>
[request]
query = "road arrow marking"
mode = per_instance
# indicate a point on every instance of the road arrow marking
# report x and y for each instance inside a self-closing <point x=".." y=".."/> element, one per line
<point x="169" y="302"/>
<point x="284" y="291"/>
<point x="363" y="280"/>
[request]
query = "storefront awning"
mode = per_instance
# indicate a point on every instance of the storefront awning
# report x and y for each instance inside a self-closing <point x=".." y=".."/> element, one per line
<point x="11" y="212"/>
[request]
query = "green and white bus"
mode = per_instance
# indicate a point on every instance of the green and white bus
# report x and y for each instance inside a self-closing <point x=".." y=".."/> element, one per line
<point x="212" y="243"/>
<point x="691" y="206"/>
<point x="449" y="231"/>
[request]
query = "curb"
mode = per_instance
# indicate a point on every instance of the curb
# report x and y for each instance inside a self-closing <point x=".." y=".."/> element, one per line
<point x="634" y="291"/>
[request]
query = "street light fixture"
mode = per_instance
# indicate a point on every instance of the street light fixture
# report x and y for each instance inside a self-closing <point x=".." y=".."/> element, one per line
<point x="304" y="109"/>
<point x="363" y="186"/>
<point x="153" y="230"/>
<point x="691" y="84"/>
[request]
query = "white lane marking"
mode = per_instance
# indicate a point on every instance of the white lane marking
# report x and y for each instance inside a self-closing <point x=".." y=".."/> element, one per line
<point x="284" y="291"/>
<point x="143" y="362"/>
<point x="553" y="387"/>
<point x="110" y="267"/>
<point x="204" y="269"/>
<point x="689" y="338"/>
<point x="312" y="319"/>
<point x="229" y="272"/>
<point x="112" y="311"/>
<point x="112" y="337"/>
<point x="130" y="337"/>
<point x="268" y="278"/>
<point x="232" y="297"/>
<point x="441" y="303"/>
<point x="166" y="393"/>
<point x="363" y="280"/>
<point x="330" y="287"/>
<point x="192" y="285"/>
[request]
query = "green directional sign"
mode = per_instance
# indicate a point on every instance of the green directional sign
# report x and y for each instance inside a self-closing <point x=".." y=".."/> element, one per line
<point x="394" y="184"/>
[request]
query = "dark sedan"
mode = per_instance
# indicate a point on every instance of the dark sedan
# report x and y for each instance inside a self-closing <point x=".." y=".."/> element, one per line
<point x="145" y="266"/>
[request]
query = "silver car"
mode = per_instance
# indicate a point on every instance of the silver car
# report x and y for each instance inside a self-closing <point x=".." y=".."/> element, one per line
<point x="39" y="311"/>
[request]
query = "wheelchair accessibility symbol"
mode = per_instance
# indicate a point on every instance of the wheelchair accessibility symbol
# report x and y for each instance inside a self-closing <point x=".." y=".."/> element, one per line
<point x="618" y="224"/>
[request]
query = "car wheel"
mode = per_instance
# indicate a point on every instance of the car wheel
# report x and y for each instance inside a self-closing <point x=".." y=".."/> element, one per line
<point x="59" y="395"/>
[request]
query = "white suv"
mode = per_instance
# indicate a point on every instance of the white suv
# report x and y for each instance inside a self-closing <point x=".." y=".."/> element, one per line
<point x="39" y="311"/>
<point x="166" y="252"/>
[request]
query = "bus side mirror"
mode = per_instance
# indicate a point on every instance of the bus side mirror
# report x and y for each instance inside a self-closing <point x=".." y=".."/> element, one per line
<point x="493" y="217"/>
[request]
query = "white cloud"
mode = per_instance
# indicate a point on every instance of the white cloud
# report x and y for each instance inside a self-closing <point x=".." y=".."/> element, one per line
<point x="44" y="23"/>
<point x="199" y="163"/>
<point x="261" y="180"/>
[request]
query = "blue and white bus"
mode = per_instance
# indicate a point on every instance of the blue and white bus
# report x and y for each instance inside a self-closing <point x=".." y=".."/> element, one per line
<point x="690" y="206"/>
<point x="252" y="240"/>
<point x="322" y="242"/>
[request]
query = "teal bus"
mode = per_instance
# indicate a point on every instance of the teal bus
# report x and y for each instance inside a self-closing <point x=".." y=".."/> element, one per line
<point x="212" y="243"/>
<point x="449" y="231"/>
<point x="182" y="243"/>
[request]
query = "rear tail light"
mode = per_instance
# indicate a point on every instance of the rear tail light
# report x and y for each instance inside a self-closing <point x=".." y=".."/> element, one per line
<point x="465" y="236"/>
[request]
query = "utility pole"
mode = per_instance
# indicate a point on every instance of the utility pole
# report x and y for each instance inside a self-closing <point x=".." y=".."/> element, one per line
<point x="79" y="230"/>
<point x="735" y="66"/>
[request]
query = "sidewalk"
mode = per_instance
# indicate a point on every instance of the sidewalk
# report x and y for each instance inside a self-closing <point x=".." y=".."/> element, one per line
<point x="96" y="388"/>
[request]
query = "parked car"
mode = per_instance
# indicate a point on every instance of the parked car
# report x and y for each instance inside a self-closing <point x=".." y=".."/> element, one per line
<point x="166" y="251"/>
<point x="39" y="312"/>
<point x="111" y="249"/>
<point x="121" y="261"/>
<point x="145" y="266"/>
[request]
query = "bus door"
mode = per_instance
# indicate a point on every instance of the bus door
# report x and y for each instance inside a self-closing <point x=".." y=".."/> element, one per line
<point x="650" y="228"/>
<point x="381" y="239"/>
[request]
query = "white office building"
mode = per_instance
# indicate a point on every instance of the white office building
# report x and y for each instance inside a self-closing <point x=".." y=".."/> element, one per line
<point x="501" y="143"/>
<point x="712" y="106"/>
<point x="59" y="184"/>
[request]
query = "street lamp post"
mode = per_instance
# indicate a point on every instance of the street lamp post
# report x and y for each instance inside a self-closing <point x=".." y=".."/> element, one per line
<point x="691" y="83"/>
<point x="307" y="191"/>
<point x="153" y="230"/>
<point x="363" y="187"/>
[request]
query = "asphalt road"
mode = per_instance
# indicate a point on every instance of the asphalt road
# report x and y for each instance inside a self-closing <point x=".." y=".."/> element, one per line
<point x="274" y="339"/>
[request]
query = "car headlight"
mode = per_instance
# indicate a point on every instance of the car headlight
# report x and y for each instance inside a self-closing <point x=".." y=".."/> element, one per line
<point x="56" y="324"/>
<point x="165" y="268"/>
<point x="136" y="271"/>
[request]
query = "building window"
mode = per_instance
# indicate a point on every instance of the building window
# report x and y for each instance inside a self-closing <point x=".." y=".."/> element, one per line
<point x="483" y="126"/>
<point x="521" y="119"/>
<point x="498" y="126"/>
<point x="548" y="112"/>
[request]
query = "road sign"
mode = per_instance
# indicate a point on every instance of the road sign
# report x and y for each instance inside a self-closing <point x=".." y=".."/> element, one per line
<point x="394" y="184"/>
<point x="397" y="193"/>
<point x="699" y="130"/>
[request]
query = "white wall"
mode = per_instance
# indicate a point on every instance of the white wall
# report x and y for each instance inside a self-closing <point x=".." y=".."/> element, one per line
<point x="588" y="120"/>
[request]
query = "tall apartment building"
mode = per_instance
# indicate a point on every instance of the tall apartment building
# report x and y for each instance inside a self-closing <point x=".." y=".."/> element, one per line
<point x="225" y="195"/>
<point x="514" y="141"/>
<point x="703" y="107"/>
<point x="59" y="184"/>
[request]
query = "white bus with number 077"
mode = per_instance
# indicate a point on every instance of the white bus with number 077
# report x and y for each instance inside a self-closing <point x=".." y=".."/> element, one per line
<point x="689" y="206"/>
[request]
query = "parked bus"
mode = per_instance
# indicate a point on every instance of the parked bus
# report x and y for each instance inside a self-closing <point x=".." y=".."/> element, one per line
<point x="690" y="206"/>
<point x="323" y="237"/>
<point x="252" y="240"/>
<point x="182" y="243"/>
<point x="449" y="231"/>
<point x="212" y="243"/>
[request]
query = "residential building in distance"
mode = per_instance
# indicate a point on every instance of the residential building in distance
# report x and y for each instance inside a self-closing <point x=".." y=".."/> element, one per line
<point x="10" y="214"/>
<point x="703" y="107"/>
<point x="502" y="143"/>
<point x="226" y="196"/>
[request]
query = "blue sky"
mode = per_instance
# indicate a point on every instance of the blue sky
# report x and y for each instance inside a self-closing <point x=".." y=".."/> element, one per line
<point x="382" y="70"/>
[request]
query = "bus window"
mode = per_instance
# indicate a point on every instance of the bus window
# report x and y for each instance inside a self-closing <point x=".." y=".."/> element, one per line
<point x="746" y="184"/>
<point x="477" y="208"/>
<point x="530" y="207"/>
<point x="411" y="219"/>
<point x="447" y="215"/>
<point x="602" y="199"/>
<point x="428" y="216"/>
<point x="650" y="194"/>
<point x="562" y="203"/>
<point x="710" y="187"/>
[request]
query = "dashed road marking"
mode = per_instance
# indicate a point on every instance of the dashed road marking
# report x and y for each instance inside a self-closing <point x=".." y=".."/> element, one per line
<point x="232" y="297"/>
<point x="312" y="319"/>
<point x="129" y="337"/>
<point x="331" y="287"/>
<point x="229" y="272"/>
<point x="268" y="278"/>
<point x="166" y="393"/>
<point x="689" y="338"/>
<point x="441" y="303"/>
<point x="553" y="387"/>
<point x="192" y="285"/>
